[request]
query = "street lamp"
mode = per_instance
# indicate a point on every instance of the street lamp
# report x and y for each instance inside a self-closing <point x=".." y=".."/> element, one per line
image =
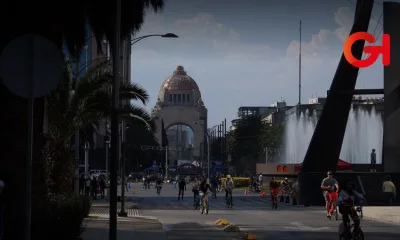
<point x="167" y="35"/>
<point x="115" y="116"/>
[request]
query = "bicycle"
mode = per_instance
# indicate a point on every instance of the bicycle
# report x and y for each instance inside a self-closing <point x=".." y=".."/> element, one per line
<point x="204" y="205"/>
<point x="229" y="199"/>
<point x="274" y="195"/>
<point x="159" y="189"/>
<point x="351" y="232"/>
<point x="196" y="203"/>
<point x="333" y="210"/>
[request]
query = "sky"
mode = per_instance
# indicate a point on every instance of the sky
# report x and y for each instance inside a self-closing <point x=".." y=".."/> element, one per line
<point x="245" y="52"/>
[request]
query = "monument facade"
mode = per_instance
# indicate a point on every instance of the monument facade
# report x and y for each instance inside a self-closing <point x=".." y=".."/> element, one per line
<point x="182" y="109"/>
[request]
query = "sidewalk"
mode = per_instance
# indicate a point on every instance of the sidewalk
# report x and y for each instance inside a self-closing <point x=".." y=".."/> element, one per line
<point x="127" y="229"/>
<point x="383" y="214"/>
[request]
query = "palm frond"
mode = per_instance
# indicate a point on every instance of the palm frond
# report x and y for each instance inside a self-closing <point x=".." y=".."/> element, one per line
<point x="130" y="112"/>
<point x="133" y="91"/>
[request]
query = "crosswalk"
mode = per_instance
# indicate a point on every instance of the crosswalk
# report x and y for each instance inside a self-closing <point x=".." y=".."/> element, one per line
<point x="105" y="212"/>
<point x="172" y="203"/>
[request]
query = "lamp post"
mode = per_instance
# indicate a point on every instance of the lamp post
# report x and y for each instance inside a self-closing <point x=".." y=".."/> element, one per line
<point x="206" y="132"/>
<point x="126" y="74"/>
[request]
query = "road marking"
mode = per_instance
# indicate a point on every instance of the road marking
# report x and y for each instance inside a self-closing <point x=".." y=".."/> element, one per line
<point x="301" y="227"/>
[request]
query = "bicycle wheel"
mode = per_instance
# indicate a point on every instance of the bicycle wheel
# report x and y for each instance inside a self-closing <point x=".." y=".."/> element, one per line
<point x="207" y="207"/>
<point x="336" y="213"/>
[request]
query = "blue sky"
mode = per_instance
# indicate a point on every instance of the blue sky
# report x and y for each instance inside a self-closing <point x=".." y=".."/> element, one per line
<point x="245" y="53"/>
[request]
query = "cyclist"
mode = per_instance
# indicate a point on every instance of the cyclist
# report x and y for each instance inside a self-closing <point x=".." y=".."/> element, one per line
<point x="260" y="180"/>
<point x="348" y="197"/>
<point x="159" y="184"/>
<point x="329" y="184"/>
<point x="204" y="187"/>
<point x="195" y="188"/>
<point x="274" y="188"/>
<point x="228" y="188"/>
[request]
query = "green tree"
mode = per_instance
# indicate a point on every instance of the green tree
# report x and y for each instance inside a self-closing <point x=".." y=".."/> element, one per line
<point x="137" y="135"/>
<point x="82" y="110"/>
<point x="61" y="22"/>
<point x="271" y="139"/>
<point x="245" y="145"/>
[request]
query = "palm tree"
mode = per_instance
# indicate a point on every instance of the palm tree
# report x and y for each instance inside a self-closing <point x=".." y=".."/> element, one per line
<point x="82" y="110"/>
<point x="62" y="22"/>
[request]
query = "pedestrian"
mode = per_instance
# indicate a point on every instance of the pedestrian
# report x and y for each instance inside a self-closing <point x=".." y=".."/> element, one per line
<point x="389" y="191"/>
<point x="82" y="183"/>
<point x="1" y="209"/>
<point x="94" y="185"/>
<point x="214" y="187"/>
<point x="102" y="186"/>
<point x="373" y="161"/>
<point x="182" y="188"/>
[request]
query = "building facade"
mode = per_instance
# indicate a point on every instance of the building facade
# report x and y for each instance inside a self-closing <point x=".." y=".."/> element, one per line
<point x="182" y="109"/>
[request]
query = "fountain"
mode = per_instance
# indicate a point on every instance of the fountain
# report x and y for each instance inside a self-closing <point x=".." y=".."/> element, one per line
<point x="364" y="132"/>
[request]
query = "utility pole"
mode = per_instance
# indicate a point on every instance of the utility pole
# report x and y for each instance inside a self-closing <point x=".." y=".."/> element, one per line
<point x="115" y="123"/>
<point x="77" y="157"/>
<point x="299" y="104"/>
<point x="124" y="72"/>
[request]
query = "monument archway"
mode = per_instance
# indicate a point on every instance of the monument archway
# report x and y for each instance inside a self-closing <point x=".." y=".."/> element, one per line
<point x="180" y="105"/>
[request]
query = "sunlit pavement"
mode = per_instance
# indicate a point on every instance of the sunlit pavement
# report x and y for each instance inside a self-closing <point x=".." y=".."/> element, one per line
<point x="251" y="213"/>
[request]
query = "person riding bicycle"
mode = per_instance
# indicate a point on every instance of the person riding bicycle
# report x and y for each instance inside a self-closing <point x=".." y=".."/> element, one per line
<point x="328" y="185"/>
<point x="348" y="198"/>
<point x="204" y="187"/>
<point x="195" y="188"/>
<point x="274" y="187"/>
<point x="159" y="184"/>
<point x="229" y="185"/>
<point x="260" y="180"/>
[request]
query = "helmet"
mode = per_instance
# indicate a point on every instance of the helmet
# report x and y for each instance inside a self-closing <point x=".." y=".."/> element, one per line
<point x="228" y="176"/>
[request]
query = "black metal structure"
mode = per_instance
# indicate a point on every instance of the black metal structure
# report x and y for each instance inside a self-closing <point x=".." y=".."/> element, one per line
<point x="324" y="149"/>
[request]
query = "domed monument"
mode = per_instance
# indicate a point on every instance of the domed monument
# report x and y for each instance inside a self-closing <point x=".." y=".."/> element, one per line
<point x="179" y="105"/>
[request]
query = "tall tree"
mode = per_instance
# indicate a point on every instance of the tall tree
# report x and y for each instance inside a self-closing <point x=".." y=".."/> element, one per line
<point x="82" y="110"/>
<point x="272" y="139"/>
<point x="246" y="148"/>
<point x="137" y="135"/>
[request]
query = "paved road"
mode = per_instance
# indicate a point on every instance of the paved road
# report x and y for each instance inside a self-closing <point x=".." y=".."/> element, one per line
<point x="251" y="213"/>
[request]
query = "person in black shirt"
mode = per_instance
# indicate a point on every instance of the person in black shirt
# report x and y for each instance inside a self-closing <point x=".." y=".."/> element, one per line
<point x="182" y="188"/>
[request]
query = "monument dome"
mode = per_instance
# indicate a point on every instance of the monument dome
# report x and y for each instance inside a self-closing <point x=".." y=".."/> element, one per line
<point x="177" y="84"/>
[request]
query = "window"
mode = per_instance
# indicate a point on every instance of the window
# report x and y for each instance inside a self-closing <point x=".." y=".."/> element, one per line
<point x="183" y="98"/>
<point x="170" y="97"/>
<point x="179" y="98"/>
<point x="174" y="98"/>
<point x="187" y="98"/>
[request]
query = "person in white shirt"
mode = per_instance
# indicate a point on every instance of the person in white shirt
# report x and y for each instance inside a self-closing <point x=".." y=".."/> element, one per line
<point x="260" y="180"/>
<point x="389" y="190"/>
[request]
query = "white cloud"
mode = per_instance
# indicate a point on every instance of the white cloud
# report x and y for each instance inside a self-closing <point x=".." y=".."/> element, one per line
<point x="234" y="72"/>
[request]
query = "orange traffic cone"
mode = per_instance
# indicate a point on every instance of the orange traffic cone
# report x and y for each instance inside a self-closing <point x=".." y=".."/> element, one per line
<point x="133" y="192"/>
<point x="262" y="194"/>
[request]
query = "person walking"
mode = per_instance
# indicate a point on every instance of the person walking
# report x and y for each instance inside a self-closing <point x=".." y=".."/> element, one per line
<point x="87" y="186"/>
<point x="82" y="184"/>
<point x="94" y="186"/>
<point x="182" y="188"/>
<point x="389" y="191"/>
<point x="373" y="161"/>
